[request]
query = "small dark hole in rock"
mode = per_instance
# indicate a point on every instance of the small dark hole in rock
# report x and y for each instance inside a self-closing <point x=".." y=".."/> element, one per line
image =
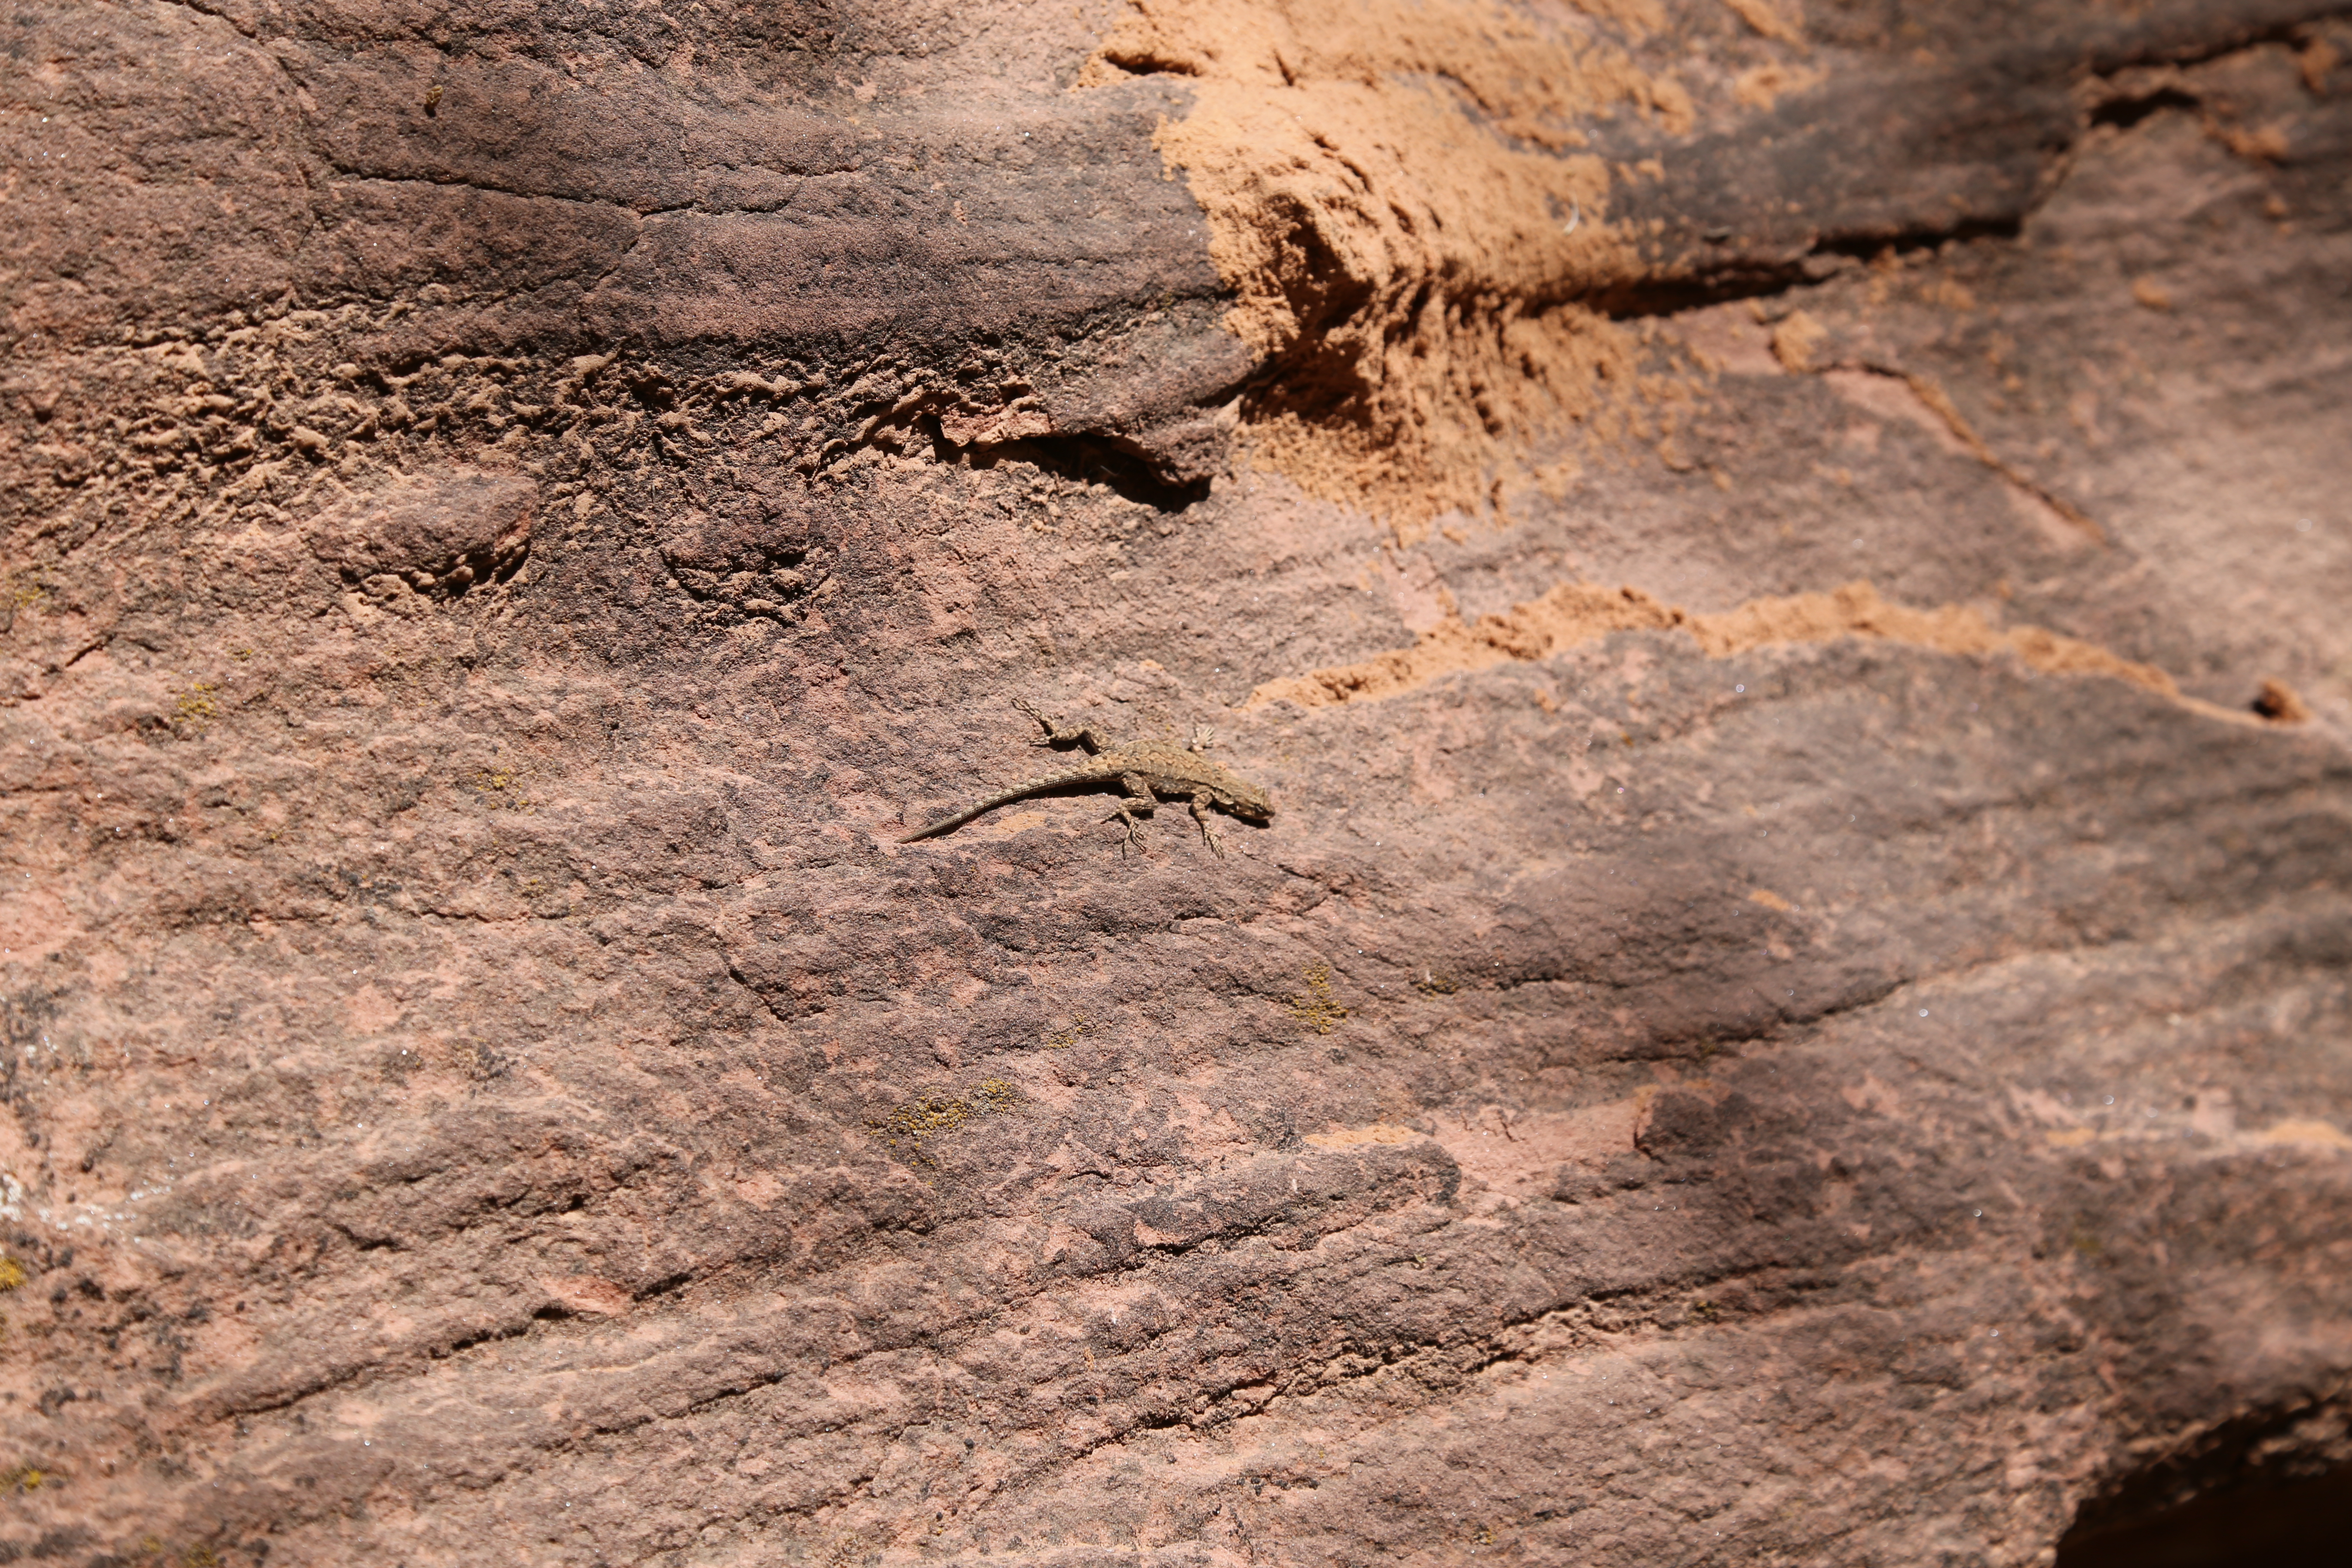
<point x="2126" y="112"/>
<point x="2278" y="702"/>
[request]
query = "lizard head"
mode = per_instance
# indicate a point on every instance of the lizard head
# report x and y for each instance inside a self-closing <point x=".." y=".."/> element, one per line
<point x="1247" y="802"/>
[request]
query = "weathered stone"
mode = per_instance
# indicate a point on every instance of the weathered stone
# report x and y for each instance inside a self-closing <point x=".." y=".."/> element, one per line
<point x="1834" y="1051"/>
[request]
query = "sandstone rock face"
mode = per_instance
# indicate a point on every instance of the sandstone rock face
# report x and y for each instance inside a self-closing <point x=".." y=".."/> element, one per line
<point x="440" y="536"/>
<point x="1784" y="565"/>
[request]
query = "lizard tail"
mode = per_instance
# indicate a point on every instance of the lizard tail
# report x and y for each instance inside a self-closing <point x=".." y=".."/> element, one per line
<point x="949" y="823"/>
<point x="1006" y="797"/>
<point x="946" y="824"/>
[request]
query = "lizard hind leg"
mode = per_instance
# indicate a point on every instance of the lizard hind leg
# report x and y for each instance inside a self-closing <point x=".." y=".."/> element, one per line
<point x="1140" y="803"/>
<point x="1208" y="832"/>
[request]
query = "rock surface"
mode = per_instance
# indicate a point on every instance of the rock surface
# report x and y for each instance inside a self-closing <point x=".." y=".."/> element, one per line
<point x="1785" y="570"/>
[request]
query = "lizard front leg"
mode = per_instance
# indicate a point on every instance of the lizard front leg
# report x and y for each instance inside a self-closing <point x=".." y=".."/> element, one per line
<point x="1140" y="803"/>
<point x="1208" y="834"/>
<point x="1063" y="734"/>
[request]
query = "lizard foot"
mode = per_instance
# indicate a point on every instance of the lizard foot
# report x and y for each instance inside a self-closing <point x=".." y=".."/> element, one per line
<point x="1208" y="832"/>
<point x="1047" y="724"/>
<point x="1129" y="820"/>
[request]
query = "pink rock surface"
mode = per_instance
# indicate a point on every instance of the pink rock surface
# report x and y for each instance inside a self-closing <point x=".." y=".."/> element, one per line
<point x="512" y="513"/>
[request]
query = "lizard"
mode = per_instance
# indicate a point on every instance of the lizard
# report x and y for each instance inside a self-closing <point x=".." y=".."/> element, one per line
<point x="1149" y="771"/>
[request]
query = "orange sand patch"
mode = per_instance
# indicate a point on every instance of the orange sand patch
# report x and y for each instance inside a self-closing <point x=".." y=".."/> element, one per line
<point x="1577" y="613"/>
<point x="1394" y="192"/>
<point x="1767" y="19"/>
<point x="1355" y="1137"/>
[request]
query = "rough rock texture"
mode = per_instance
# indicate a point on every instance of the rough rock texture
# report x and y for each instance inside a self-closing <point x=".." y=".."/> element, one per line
<point x="1798" y="1003"/>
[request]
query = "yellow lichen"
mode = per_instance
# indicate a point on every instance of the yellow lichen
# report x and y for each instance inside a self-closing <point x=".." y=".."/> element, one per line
<point x="12" y="1274"/>
<point x="501" y="788"/>
<point x="26" y="1478"/>
<point x="1319" y="1009"/>
<point x="912" y="1125"/>
<point x="195" y="706"/>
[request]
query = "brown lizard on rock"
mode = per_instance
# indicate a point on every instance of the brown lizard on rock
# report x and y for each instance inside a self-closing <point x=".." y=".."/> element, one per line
<point x="1149" y="771"/>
